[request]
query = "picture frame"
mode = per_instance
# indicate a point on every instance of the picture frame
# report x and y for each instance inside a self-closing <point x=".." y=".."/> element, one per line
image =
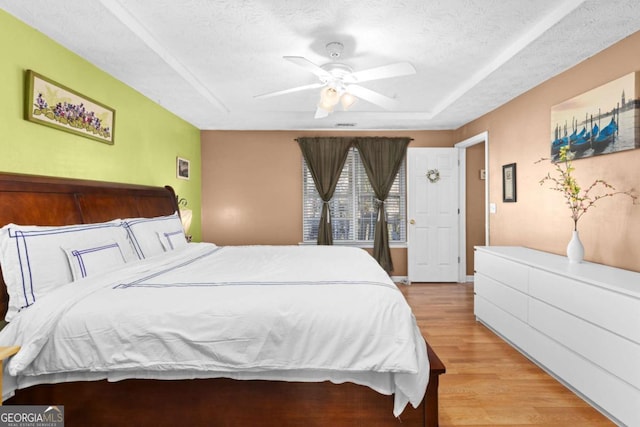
<point x="51" y="104"/>
<point x="509" y="183"/>
<point x="603" y="120"/>
<point x="183" y="168"/>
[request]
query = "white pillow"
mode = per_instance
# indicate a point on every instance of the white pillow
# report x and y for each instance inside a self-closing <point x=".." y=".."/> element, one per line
<point x="143" y="233"/>
<point x="172" y="240"/>
<point x="34" y="263"/>
<point x="88" y="260"/>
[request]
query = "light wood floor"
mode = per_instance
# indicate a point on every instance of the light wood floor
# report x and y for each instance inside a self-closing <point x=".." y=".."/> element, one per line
<point x="488" y="383"/>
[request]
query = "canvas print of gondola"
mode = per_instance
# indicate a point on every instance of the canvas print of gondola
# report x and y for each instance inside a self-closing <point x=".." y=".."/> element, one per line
<point x="600" y="121"/>
<point x="54" y="105"/>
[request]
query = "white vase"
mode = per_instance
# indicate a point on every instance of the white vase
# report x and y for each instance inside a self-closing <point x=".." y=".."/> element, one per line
<point x="575" y="250"/>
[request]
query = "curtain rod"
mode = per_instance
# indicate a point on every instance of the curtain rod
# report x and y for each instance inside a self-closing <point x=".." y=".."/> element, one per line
<point x="356" y="137"/>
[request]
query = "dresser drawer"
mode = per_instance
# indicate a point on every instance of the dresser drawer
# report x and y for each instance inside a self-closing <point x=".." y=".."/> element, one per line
<point x="508" y="327"/>
<point x="612" y="352"/>
<point x="618" y="313"/>
<point x="507" y="272"/>
<point x="505" y="297"/>
<point x="617" y="397"/>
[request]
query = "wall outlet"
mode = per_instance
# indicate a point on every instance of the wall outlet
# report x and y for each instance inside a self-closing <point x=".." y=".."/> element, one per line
<point x="483" y="174"/>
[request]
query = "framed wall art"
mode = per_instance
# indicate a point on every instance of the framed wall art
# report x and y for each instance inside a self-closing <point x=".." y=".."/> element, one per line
<point x="182" y="168"/>
<point x="51" y="104"/>
<point x="509" y="183"/>
<point x="604" y="120"/>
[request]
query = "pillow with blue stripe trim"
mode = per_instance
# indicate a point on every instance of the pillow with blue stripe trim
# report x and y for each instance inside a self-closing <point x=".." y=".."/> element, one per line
<point x="144" y="233"/>
<point x="34" y="263"/>
<point x="172" y="240"/>
<point x="91" y="259"/>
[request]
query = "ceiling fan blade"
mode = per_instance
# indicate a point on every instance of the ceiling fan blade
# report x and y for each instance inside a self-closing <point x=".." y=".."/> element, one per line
<point x="293" y="89"/>
<point x="372" y="96"/>
<point x="386" y="71"/>
<point x="309" y="66"/>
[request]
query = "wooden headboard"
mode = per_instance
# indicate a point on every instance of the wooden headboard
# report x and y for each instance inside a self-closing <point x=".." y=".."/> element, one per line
<point x="38" y="200"/>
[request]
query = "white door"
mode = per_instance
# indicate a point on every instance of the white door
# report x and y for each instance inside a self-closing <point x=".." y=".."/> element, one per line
<point x="432" y="213"/>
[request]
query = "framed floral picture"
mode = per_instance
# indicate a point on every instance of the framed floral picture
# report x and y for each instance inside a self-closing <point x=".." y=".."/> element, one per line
<point x="51" y="104"/>
<point x="182" y="168"/>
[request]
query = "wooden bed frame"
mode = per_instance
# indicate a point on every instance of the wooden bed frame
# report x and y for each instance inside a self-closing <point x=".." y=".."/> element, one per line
<point x="27" y="200"/>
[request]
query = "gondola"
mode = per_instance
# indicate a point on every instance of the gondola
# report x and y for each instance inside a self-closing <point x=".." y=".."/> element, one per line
<point x="605" y="137"/>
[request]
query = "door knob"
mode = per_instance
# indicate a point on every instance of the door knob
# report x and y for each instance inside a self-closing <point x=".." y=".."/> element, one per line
<point x="413" y="221"/>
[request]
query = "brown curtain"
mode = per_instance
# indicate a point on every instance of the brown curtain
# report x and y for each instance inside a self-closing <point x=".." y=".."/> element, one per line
<point x="325" y="157"/>
<point x="382" y="158"/>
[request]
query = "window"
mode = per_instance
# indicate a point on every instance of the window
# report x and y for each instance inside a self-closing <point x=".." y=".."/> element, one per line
<point x="353" y="206"/>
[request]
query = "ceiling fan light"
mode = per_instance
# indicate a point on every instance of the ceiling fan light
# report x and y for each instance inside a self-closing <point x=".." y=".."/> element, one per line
<point x="325" y="107"/>
<point x="329" y="97"/>
<point x="347" y="100"/>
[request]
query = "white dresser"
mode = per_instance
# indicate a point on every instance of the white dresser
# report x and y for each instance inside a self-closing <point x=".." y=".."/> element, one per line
<point x="580" y="322"/>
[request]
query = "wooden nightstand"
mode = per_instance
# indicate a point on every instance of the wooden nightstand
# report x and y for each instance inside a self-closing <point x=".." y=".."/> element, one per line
<point x="5" y="353"/>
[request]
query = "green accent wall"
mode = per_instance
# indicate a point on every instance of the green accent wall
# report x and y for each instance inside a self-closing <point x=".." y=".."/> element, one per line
<point x="148" y="138"/>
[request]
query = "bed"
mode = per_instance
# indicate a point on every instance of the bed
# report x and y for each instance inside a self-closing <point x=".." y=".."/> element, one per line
<point x="259" y="398"/>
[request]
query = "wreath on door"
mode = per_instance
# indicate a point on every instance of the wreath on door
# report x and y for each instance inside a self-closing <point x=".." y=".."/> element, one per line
<point x="433" y="175"/>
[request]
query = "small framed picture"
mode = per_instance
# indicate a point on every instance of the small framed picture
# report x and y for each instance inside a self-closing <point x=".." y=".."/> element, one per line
<point x="182" y="168"/>
<point x="509" y="183"/>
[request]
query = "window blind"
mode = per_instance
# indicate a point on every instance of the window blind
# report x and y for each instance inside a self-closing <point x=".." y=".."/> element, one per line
<point x="353" y="206"/>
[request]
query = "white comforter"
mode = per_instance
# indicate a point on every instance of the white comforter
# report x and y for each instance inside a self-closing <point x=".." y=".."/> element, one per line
<point x="310" y="313"/>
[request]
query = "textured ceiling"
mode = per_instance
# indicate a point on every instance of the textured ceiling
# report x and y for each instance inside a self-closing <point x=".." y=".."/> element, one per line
<point x="205" y="60"/>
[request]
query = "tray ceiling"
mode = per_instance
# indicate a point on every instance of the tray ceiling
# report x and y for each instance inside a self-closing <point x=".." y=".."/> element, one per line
<point x="206" y="60"/>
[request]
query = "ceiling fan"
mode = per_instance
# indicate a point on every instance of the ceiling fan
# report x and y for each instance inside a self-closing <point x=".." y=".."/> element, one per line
<point x="339" y="82"/>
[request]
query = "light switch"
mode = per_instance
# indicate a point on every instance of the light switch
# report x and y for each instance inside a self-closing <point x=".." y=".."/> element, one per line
<point x="493" y="208"/>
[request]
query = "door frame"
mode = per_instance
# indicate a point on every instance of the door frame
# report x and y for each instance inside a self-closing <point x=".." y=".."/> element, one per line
<point x="461" y="147"/>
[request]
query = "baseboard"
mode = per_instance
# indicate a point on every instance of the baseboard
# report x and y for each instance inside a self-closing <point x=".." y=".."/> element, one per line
<point x="401" y="279"/>
<point x="404" y="280"/>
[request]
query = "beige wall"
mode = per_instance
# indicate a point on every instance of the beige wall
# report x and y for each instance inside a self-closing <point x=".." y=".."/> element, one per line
<point x="519" y="132"/>
<point x="252" y="185"/>
<point x="475" y="202"/>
